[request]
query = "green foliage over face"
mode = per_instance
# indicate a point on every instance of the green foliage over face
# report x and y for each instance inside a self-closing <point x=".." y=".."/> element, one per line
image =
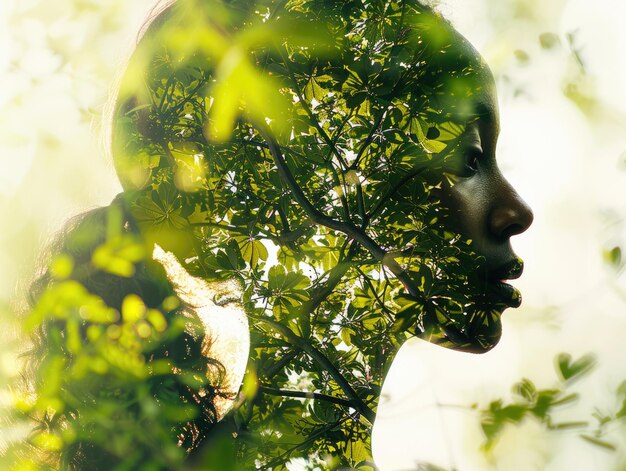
<point x="364" y="114"/>
<point x="305" y="148"/>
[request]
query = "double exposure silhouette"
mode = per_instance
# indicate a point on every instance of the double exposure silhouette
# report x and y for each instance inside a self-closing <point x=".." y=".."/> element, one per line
<point x="307" y="184"/>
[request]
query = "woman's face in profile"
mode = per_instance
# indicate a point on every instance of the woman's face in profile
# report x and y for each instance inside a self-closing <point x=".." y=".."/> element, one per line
<point x="485" y="208"/>
<point x="480" y="206"/>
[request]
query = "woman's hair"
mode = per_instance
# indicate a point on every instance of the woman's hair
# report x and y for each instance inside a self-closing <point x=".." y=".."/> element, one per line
<point x="78" y="243"/>
<point x="175" y="47"/>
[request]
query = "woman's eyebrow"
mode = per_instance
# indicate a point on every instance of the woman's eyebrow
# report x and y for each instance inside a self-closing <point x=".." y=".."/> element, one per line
<point x="485" y="113"/>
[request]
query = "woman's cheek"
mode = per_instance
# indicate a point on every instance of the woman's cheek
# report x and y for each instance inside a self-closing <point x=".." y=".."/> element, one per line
<point x="462" y="206"/>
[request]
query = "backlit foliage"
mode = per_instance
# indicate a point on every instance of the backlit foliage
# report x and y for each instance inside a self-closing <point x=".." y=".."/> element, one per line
<point x="298" y="147"/>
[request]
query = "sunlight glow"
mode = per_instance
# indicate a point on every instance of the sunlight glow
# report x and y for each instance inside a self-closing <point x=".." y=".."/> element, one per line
<point x="564" y="154"/>
<point x="216" y="305"/>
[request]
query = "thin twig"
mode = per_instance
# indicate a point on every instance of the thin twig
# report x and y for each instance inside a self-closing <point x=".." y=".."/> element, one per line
<point x="381" y="202"/>
<point x="306" y="395"/>
<point x="368" y="140"/>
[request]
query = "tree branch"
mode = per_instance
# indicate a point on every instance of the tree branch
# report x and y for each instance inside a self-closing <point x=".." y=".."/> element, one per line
<point x="317" y="216"/>
<point x="360" y="204"/>
<point x="303" y="102"/>
<point x="356" y="402"/>
<point x="368" y="140"/>
<point x="280" y="364"/>
<point x="368" y="281"/>
<point x="306" y="395"/>
<point x="379" y="206"/>
<point x="335" y="275"/>
<point x="201" y="83"/>
<point x="311" y="438"/>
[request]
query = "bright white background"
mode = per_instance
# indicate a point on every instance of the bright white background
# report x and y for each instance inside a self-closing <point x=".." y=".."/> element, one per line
<point x="58" y="61"/>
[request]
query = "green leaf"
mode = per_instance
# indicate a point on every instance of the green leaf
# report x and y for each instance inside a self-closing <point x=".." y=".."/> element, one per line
<point x="549" y="40"/>
<point x="569" y="425"/>
<point x="570" y="370"/>
<point x="598" y="442"/>
<point x="613" y="257"/>
<point x="62" y="266"/>
<point x="252" y="249"/>
<point x="357" y="451"/>
<point x="526" y="389"/>
<point x="133" y="309"/>
<point x="346" y="335"/>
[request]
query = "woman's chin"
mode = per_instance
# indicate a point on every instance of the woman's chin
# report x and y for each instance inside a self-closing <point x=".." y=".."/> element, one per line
<point x="485" y="345"/>
<point x="482" y="344"/>
<point x="482" y="332"/>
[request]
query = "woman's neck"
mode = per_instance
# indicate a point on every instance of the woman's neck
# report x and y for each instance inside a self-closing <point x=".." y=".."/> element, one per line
<point x="323" y="392"/>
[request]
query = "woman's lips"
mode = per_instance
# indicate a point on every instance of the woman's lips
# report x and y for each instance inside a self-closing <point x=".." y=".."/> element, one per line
<point x="498" y="287"/>
<point x="504" y="293"/>
<point x="509" y="270"/>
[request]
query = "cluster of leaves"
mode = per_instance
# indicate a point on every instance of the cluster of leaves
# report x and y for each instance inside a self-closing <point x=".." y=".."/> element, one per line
<point x="599" y="428"/>
<point x="540" y="404"/>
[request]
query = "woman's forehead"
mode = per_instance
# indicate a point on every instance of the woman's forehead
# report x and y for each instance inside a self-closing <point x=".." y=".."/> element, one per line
<point x="464" y="87"/>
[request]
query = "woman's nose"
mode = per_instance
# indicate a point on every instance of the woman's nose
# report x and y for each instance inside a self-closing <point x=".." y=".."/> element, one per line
<point x="510" y="215"/>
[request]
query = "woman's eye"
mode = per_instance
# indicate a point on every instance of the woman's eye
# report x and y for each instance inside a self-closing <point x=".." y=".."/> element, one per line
<point x="470" y="163"/>
<point x="473" y="155"/>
